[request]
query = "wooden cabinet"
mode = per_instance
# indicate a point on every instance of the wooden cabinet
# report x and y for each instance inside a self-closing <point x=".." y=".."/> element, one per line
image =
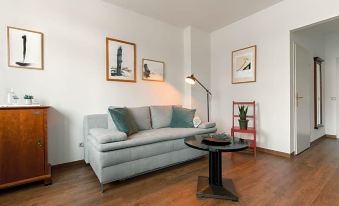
<point x="23" y="146"/>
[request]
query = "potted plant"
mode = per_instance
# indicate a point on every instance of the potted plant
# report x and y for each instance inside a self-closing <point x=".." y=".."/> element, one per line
<point x="15" y="100"/>
<point x="243" y="121"/>
<point x="28" y="99"/>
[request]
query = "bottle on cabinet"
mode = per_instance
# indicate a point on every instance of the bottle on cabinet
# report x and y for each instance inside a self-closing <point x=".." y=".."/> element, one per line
<point x="10" y="96"/>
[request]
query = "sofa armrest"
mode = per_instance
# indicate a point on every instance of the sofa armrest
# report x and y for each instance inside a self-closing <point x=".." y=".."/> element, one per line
<point x="207" y="125"/>
<point x="103" y="136"/>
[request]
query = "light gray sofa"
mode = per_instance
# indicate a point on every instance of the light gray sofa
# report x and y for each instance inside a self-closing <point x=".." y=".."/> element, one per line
<point x="114" y="156"/>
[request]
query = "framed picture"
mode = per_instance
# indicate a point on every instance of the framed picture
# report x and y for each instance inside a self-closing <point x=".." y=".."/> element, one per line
<point x="153" y="70"/>
<point x="120" y="60"/>
<point x="244" y="65"/>
<point x="25" y="48"/>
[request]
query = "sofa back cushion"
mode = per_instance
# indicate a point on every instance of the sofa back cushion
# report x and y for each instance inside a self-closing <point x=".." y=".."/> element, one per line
<point x="161" y="116"/>
<point x="142" y="117"/>
<point x="182" y="117"/>
<point x="124" y="120"/>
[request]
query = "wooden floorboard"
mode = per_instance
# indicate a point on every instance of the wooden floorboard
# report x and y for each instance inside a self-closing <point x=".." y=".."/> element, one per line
<point x="309" y="179"/>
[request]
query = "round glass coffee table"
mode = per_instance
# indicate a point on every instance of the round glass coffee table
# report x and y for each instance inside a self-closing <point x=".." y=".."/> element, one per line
<point x="215" y="186"/>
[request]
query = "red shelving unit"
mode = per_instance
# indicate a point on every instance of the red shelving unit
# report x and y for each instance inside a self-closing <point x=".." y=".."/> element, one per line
<point x="250" y="130"/>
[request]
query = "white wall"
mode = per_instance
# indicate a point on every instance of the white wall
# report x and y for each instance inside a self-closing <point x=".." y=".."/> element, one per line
<point x="331" y="105"/>
<point x="188" y="65"/>
<point x="314" y="43"/>
<point x="270" y="31"/>
<point x="201" y="69"/>
<point x="197" y="62"/>
<point x="73" y="81"/>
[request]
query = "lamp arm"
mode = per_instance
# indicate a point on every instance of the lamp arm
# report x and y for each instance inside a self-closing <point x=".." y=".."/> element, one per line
<point x="203" y="86"/>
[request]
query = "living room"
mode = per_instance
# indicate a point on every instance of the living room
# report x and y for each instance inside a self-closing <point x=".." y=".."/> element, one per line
<point x="72" y="80"/>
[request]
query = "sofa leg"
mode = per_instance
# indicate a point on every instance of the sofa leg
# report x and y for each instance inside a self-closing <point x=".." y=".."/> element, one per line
<point x="102" y="188"/>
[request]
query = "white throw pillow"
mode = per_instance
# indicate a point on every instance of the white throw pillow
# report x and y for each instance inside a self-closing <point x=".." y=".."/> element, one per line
<point x="196" y="121"/>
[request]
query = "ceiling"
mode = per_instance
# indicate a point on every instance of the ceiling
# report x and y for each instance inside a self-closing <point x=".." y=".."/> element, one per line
<point x="208" y="15"/>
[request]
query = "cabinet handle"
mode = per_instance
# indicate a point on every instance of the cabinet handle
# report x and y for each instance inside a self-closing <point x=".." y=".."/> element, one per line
<point x="36" y="113"/>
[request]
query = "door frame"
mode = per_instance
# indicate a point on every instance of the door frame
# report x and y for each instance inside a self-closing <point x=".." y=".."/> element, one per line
<point x="294" y="127"/>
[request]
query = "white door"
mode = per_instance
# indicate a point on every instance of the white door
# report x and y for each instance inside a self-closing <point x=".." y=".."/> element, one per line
<point x="303" y="71"/>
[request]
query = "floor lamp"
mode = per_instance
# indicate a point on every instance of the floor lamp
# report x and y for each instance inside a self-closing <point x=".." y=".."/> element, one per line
<point x="191" y="80"/>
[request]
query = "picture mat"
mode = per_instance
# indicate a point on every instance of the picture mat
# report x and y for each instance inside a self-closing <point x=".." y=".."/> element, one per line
<point x="34" y="51"/>
<point x="128" y="58"/>
<point x="156" y="68"/>
<point x="239" y="58"/>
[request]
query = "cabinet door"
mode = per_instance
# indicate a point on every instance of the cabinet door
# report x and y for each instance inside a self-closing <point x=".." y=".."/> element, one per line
<point x="21" y="144"/>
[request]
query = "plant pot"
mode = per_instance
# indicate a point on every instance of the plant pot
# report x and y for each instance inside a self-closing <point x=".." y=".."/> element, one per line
<point x="28" y="101"/>
<point x="243" y="124"/>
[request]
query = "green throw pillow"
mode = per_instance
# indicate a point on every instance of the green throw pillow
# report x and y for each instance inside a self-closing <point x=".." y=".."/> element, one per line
<point x="182" y="117"/>
<point x="123" y="120"/>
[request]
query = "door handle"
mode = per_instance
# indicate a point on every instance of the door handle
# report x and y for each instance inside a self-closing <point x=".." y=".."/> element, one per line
<point x="298" y="97"/>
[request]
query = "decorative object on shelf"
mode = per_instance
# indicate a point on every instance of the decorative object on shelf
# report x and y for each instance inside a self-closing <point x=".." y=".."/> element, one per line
<point x="25" y="48"/>
<point x="217" y="139"/>
<point x="243" y="121"/>
<point x="252" y="142"/>
<point x="28" y="99"/>
<point x="120" y="60"/>
<point x="191" y="80"/>
<point x="244" y="65"/>
<point x="220" y="136"/>
<point x="153" y="70"/>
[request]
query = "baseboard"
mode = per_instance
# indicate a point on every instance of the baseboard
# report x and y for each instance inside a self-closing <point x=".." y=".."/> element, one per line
<point x="318" y="140"/>
<point x="68" y="164"/>
<point x="326" y="136"/>
<point x="331" y="136"/>
<point x="275" y="153"/>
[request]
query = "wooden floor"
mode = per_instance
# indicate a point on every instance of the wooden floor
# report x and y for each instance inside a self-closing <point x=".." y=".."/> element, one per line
<point x="309" y="179"/>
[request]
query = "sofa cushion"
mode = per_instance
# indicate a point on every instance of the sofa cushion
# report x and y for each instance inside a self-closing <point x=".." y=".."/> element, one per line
<point x="161" y="116"/>
<point x="124" y="120"/>
<point x="152" y="136"/>
<point x="142" y="117"/>
<point x="144" y="151"/>
<point x="182" y="117"/>
<point x="103" y="136"/>
<point x="207" y="125"/>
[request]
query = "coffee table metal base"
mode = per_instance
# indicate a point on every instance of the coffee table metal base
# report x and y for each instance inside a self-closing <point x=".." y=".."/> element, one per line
<point x="225" y="191"/>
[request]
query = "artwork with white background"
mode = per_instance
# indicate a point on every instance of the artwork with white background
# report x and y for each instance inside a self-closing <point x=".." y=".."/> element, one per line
<point x="153" y="70"/>
<point x="120" y="60"/>
<point x="244" y="65"/>
<point x="25" y="48"/>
